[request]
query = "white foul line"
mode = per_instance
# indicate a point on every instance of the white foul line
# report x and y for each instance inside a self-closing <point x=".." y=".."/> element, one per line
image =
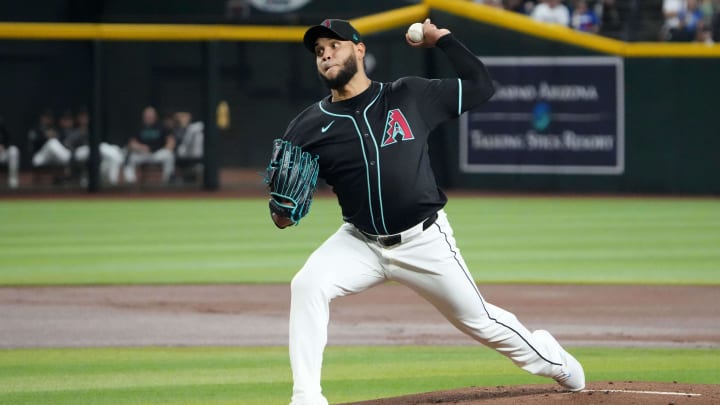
<point x="647" y="392"/>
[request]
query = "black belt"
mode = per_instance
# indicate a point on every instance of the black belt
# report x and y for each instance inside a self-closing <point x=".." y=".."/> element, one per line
<point x="392" y="240"/>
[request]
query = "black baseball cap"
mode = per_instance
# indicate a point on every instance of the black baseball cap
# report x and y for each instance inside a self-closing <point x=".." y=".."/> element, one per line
<point x="330" y="28"/>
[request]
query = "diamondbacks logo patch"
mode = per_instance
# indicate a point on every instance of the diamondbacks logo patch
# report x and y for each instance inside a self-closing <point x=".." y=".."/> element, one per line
<point x="396" y="128"/>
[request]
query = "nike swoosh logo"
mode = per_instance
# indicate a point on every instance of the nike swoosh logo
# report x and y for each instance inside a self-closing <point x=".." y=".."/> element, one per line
<point x="325" y="128"/>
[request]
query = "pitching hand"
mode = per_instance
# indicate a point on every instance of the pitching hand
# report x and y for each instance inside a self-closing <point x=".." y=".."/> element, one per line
<point x="431" y="34"/>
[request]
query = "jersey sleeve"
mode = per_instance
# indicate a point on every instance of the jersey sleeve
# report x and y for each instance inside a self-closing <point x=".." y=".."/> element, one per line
<point x="441" y="99"/>
<point x="437" y="100"/>
<point x="475" y="85"/>
<point x="298" y="126"/>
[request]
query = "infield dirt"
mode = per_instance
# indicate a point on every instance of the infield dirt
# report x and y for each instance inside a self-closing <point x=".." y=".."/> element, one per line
<point x="232" y="315"/>
<point x="625" y="393"/>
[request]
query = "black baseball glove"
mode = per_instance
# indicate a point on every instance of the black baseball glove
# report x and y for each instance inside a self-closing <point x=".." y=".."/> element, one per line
<point x="292" y="178"/>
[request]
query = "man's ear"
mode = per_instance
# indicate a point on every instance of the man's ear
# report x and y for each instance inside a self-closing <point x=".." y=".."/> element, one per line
<point x="360" y="50"/>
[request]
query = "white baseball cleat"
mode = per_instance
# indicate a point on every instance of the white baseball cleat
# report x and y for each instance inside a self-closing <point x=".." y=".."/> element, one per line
<point x="308" y="400"/>
<point x="572" y="375"/>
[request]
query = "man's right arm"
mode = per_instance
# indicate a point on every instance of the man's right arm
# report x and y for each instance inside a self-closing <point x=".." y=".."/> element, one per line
<point x="477" y="86"/>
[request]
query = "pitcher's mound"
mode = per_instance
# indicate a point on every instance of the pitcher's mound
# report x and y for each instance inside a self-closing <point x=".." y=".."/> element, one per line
<point x="605" y="393"/>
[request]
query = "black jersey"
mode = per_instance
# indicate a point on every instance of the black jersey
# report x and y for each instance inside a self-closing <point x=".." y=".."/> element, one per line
<point x="373" y="150"/>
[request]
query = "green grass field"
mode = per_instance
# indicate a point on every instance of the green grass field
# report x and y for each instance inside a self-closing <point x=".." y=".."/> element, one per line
<point x="261" y="376"/>
<point x="540" y="240"/>
<point x="557" y="240"/>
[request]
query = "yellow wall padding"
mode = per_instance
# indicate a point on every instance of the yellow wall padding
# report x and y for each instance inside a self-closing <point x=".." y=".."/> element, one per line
<point x="379" y="22"/>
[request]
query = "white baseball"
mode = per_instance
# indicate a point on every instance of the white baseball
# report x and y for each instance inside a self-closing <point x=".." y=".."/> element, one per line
<point x="415" y="32"/>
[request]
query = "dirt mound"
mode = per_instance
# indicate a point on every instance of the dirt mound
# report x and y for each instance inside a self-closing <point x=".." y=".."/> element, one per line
<point x="639" y="393"/>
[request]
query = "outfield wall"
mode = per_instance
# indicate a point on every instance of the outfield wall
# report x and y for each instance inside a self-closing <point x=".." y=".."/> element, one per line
<point x="670" y="142"/>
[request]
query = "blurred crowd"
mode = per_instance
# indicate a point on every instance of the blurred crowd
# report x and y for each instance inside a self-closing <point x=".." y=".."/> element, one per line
<point x="173" y="144"/>
<point x="691" y="20"/>
<point x="682" y="20"/>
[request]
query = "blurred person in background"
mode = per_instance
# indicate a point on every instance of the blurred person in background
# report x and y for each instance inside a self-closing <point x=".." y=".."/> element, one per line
<point x="78" y="140"/>
<point x="491" y="3"/>
<point x="152" y="144"/>
<point x="673" y="29"/>
<point x="46" y="142"/>
<point x="551" y="12"/>
<point x="709" y="31"/>
<point x="583" y="18"/>
<point x="189" y="136"/>
<point x="520" y="6"/>
<point x="691" y="22"/>
<point x="671" y="10"/>
<point x="716" y="24"/>
<point x="610" y="18"/>
<point x="10" y="155"/>
<point x="707" y="8"/>
<point x="66" y="125"/>
<point x="66" y="128"/>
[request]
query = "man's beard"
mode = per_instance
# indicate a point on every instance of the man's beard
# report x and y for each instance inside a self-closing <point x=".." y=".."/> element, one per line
<point x="347" y="71"/>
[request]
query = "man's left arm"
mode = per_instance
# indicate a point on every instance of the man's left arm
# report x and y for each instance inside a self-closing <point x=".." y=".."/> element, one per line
<point x="291" y="177"/>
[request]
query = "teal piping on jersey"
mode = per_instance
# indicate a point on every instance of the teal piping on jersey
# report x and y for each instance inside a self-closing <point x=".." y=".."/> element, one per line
<point x="459" y="97"/>
<point x="377" y="153"/>
<point x="367" y="166"/>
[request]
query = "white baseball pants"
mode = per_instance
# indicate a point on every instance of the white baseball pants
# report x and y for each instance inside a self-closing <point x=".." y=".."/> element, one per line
<point x="429" y="263"/>
<point x="191" y="145"/>
<point x="111" y="160"/>
<point x="52" y="152"/>
<point x="163" y="156"/>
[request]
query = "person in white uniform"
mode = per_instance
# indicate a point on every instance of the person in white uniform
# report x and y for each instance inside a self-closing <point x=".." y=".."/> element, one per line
<point x="9" y="155"/>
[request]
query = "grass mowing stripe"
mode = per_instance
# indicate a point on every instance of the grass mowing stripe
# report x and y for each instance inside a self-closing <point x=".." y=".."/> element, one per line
<point x="159" y="248"/>
<point x="502" y="239"/>
<point x="189" y="394"/>
<point x="706" y="254"/>
<point x="116" y="376"/>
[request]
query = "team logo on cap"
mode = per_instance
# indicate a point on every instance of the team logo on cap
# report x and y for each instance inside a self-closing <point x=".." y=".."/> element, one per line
<point x="396" y="127"/>
<point x="326" y="23"/>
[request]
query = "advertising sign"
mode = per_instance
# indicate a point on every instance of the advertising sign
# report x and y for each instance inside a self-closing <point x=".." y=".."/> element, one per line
<point x="562" y="115"/>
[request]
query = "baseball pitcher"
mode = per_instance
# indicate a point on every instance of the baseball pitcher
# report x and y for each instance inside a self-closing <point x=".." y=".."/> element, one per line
<point x="368" y="141"/>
